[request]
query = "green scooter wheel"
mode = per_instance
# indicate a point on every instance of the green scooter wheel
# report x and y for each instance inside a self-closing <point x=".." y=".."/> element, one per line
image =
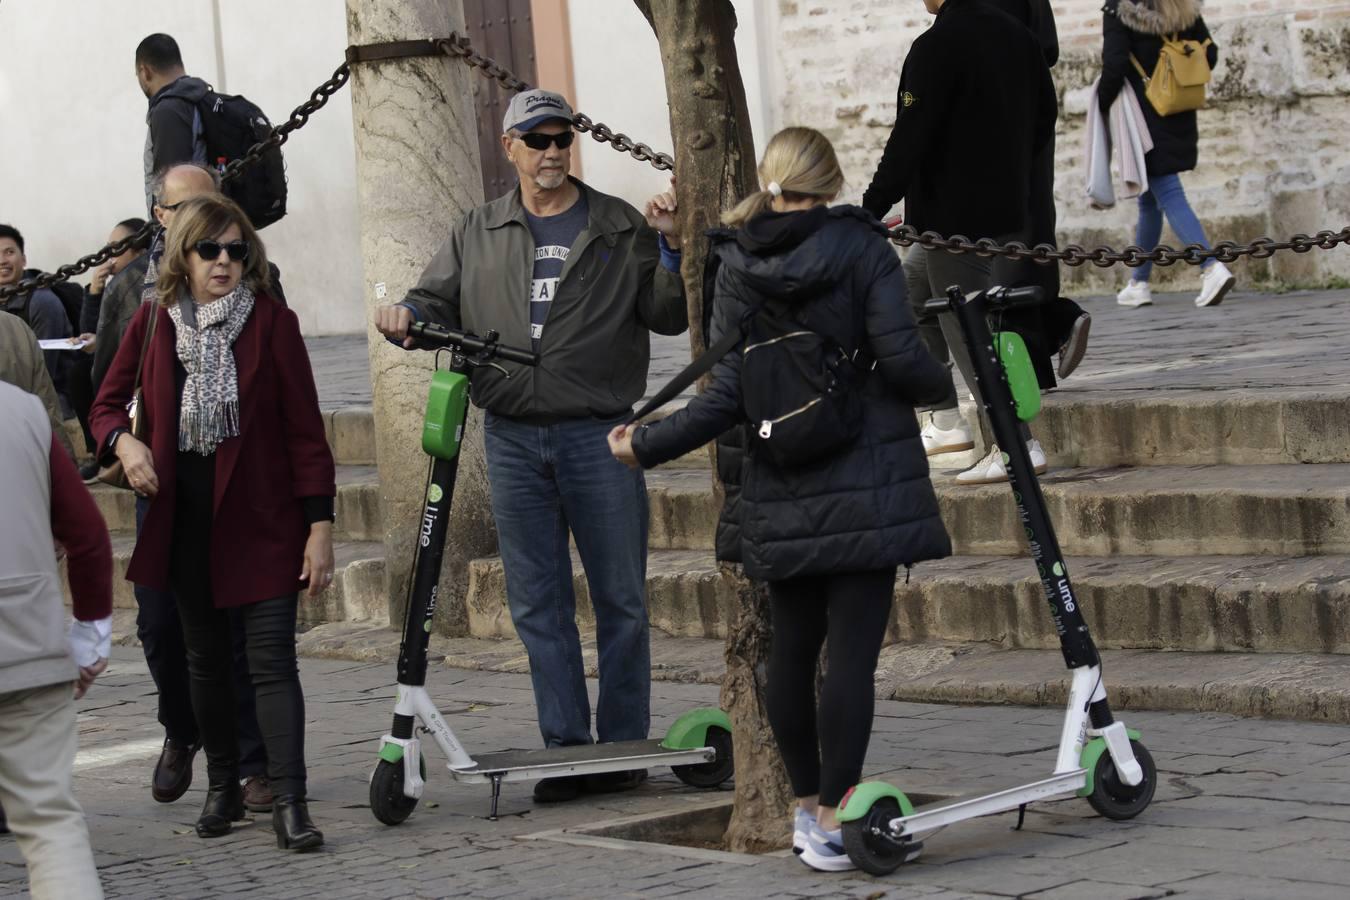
<point x="1115" y="799"/>
<point x="387" y="800"/>
<point x="867" y="840"/>
<point x="718" y="770"/>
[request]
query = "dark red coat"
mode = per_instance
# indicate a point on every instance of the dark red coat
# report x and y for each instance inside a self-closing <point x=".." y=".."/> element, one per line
<point x="280" y="457"/>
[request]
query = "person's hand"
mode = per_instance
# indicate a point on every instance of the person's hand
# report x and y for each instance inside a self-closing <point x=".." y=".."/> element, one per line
<point x="318" y="567"/>
<point x="393" y="321"/>
<point x="893" y="222"/>
<point x="138" y="463"/>
<point x="621" y="445"/>
<point x="89" y="342"/>
<point x="87" y="676"/>
<point x="660" y="213"/>
<point x="100" y="277"/>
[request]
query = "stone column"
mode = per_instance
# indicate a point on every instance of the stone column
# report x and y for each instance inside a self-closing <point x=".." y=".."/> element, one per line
<point x="417" y="172"/>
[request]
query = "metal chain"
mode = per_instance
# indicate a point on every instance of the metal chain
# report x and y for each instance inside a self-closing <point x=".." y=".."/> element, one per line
<point x="458" y="47"/>
<point x="1132" y="256"/>
<point x="299" y="116"/>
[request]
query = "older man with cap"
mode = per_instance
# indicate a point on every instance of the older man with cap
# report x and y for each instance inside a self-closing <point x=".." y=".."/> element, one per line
<point x="583" y="278"/>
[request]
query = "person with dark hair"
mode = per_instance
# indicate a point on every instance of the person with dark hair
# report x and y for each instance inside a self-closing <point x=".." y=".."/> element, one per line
<point x="174" y="133"/>
<point x="41" y="310"/>
<point x="240" y="482"/>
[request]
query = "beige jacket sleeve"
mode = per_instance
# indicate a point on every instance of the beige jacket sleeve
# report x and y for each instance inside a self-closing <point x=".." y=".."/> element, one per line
<point x="22" y="365"/>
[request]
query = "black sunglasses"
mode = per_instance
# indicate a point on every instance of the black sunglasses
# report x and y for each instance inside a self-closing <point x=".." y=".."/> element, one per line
<point x="210" y="250"/>
<point x="538" y="140"/>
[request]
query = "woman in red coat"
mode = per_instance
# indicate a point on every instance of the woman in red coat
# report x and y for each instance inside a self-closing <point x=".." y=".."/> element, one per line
<point x="242" y="485"/>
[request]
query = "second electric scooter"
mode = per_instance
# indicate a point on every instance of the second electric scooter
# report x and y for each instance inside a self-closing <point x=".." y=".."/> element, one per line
<point x="1099" y="758"/>
<point x="697" y="746"/>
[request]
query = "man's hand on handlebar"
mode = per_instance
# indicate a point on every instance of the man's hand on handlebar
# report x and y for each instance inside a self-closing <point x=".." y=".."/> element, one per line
<point x="392" y="321"/>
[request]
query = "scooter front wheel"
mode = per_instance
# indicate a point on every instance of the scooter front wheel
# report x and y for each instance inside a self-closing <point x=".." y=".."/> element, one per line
<point x="1115" y="799"/>
<point x="720" y="769"/>
<point x="387" y="800"/>
<point x="869" y="843"/>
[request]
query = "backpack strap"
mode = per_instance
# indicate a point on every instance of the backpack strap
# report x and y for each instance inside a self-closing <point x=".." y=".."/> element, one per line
<point x="701" y="366"/>
<point x="1139" y="68"/>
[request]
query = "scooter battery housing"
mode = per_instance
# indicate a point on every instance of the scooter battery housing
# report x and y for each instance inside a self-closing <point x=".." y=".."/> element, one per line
<point x="447" y="402"/>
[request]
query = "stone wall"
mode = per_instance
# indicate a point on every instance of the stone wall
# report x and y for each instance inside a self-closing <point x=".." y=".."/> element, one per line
<point x="1275" y="138"/>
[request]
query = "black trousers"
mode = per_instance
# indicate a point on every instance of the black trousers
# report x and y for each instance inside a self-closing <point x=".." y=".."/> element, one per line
<point x="824" y="744"/>
<point x="269" y="628"/>
<point x="160" y="631"/>
<point x="80" y="392"/>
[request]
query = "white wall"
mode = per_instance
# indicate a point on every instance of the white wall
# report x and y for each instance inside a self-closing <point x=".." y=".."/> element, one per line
<point x="617" y="71"/>
<point x="74" y="128"/>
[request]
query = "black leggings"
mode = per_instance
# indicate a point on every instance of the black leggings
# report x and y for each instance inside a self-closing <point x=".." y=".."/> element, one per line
<point x="823" y="747"/>
<point x="269" y="627"/>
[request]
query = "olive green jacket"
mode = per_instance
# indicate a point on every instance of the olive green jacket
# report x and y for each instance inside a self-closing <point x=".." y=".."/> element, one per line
<point x="22" y="365"/>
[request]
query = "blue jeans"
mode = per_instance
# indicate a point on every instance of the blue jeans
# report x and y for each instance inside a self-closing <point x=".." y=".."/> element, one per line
<point x="1165" y="195"/>
<point x="545" y="480"/>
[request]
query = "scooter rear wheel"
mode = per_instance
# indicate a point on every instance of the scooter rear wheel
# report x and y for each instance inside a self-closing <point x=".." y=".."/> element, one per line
<point x="877" y="854"/>
<point x="387" y="800"/>
<point x="714" y="773"/>
<point x="1115" y="799"/>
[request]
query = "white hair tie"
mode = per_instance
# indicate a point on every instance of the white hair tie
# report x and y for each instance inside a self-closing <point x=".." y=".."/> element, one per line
<point x="775" y="188"/>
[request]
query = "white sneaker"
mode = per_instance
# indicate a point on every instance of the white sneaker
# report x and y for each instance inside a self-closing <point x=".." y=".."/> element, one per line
<point x="946" y="440"/>
<point x="802" y="823"/>
<point x="825" y="851"/>
<point x="1136" y="293"/>
<point x="1215" y="282"/>
<point x="991" y="470"/>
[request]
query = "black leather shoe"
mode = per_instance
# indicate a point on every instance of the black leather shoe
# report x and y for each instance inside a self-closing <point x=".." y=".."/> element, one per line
<point x="173" y="772"/>
<point x="614" y="782"/>
<point x="558" y="790"/>
<point x="224" y="806"/>
<point x="290" y="820"/>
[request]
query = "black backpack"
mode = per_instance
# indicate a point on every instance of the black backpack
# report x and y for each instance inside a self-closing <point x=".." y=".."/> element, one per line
<point x="230" y="126"/>
<point x="801" y="390"/>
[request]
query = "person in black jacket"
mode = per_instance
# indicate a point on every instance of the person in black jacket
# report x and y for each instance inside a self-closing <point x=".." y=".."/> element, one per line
<point x="1133" y="32"/>
<point x="976" y="105"/>
<point x="827" y="535"/>
<point x="174" y="131"/>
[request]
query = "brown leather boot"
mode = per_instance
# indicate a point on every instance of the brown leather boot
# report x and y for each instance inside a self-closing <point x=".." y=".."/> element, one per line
<point x="257" y="794"/>
<point x="173" y="772"/>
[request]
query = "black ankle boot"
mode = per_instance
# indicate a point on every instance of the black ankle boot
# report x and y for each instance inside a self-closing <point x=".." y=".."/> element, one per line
<point x="290" y="820"/>
<point x="224" y="806"/>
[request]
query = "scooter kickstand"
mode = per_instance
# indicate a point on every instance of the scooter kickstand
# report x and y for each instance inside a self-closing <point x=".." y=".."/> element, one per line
<point x="1021" y="817"/>
<point x="496" y="795"/>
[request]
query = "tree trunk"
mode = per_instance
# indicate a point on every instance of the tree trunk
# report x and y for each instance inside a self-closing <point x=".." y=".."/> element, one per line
<point x="715" y="168"/>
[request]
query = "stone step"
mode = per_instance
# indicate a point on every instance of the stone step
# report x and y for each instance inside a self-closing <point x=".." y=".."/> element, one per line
<point x="356" y="595"/>
<point x="1223" y="603"/>
<point x="357" y="506"/>
<point x="1308" y="686"/>
<point x="1276" y="510"/>
<point x="351" y="435"/>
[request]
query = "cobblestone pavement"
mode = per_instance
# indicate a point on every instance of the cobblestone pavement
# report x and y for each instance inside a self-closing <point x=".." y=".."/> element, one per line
<point x="1251" y="341"/>
<point x="1246" y="809"/>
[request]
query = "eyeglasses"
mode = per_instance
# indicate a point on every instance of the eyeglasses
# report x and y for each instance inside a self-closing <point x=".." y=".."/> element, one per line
<point x="538" y="140"/>
<point x="210" y="250"/>
<point x="169" y="207"/>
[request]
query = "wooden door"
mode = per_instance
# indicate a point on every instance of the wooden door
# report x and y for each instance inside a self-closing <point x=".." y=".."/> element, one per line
<point x="504" y="31"/>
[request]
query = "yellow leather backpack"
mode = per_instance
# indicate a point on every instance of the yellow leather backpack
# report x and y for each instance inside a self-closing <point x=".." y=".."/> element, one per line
<point x="1179" y="79"/>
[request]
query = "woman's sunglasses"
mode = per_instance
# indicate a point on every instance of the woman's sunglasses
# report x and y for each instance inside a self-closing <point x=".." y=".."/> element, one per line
<point x="210" y="250"/>
<point x="538" y="140"/>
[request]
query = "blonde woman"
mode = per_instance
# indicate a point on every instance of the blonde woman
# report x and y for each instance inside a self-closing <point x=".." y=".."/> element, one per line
<point x="241" y="483"/>
<point x="827" y="536"/>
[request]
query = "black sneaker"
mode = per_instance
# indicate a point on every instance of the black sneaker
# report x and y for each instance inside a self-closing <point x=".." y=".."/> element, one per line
<point x="614" y="782"/>
<point x="558" y="790"/>
<point x="89" y="471"/>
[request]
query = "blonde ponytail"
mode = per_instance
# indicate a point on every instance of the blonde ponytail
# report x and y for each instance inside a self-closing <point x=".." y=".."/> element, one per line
<point x="799" y="161"/>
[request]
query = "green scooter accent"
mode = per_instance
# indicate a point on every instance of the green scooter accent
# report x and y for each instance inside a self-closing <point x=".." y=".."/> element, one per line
<point x="443" y="427"/>
<point x="391" y="753"/>
<point x="690" y="731"/>
<point x="1025" y="389"/>
<point x="1092" y="751"/>
<point x="860" y="798"/>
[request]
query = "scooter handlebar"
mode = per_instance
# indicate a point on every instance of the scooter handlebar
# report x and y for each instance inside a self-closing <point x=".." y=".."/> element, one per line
<point x="471" y="344"/>
<point x="1005" y="298"/>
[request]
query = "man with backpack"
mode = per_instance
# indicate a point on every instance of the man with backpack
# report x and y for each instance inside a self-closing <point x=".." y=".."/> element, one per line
<point x="41" y="310"/>
<point x="188" y="122"/>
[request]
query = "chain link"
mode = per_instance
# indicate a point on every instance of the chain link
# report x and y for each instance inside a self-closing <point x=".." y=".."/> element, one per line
<point x="298" y="117"/>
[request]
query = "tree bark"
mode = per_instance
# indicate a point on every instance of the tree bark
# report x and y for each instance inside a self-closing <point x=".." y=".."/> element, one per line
<point x="715" y="168"/>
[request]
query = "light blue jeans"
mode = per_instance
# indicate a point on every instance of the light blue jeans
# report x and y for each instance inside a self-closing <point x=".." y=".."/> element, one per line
<point x="1166" y="196"/>
<point x="547" y="480"/>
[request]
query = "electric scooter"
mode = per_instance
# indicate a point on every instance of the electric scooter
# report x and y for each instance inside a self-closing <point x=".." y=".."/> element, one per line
<point x="697" y="746"/>
<point x="1099" y="758"/>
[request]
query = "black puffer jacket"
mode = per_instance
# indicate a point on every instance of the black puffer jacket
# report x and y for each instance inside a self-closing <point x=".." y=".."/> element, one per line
<point x="1137" y="26"/>
<point x="871" y="505"/>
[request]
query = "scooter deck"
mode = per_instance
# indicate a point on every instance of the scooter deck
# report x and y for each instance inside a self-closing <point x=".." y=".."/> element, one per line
<point x="583" y="759"/>
<point x="948" y="812"/>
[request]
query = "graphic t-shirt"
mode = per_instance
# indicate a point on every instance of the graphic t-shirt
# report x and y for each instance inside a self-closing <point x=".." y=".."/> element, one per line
<point x="553" y="240"/>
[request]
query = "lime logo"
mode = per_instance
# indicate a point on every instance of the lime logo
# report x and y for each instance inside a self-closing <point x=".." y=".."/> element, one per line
<point x="426" y="626"/>
<point x="435" y="494"/>
<point x="908" y="99"/>
<point x="1058" y="569"/>
<point x="1006" y="458"/>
